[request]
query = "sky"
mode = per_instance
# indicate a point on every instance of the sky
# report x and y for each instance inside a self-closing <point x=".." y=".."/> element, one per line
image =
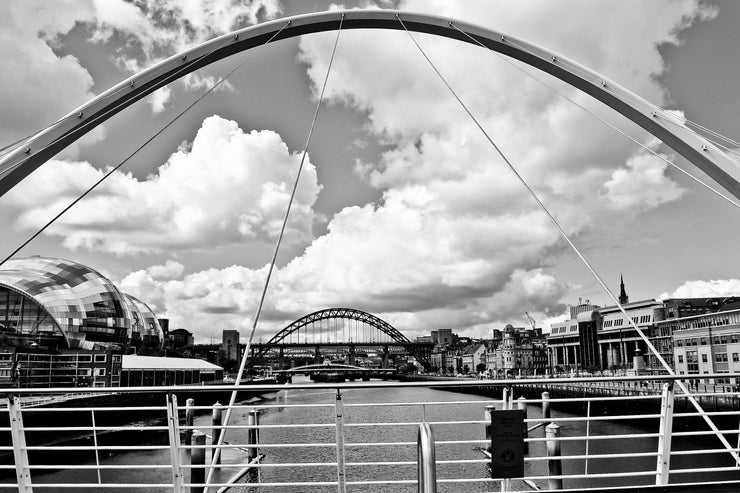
<point x="403" y="208"/>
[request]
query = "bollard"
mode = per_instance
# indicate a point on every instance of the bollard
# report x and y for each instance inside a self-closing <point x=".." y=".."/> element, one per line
<point x="487" y="418"/>
<point x="545" y="405"/>
<point x="521" y="403"/>
<point x="189" y="413"/>
<point x="505" y="397"/>
<point x="217" y="430"/>
<point x="253" y="437"/>
<point x="554" y="466"/>
<point x="198" y="462"/>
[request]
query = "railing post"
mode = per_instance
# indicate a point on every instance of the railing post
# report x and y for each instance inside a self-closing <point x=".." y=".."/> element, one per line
<point x="588" y="435"/>
<point x="664" y="435"/>
<point x="189" y="414"/>
<point x="95" y="442"/>
<point x="426" y="460"/>
<point x="339" y="408"/>
<point x="174" y="433"/>
<point x="253" y="419"/>
<point x="505" y="397"/>
<point x="198" y="462"/>
<point x="554" y="465"/>
<point x="20" y="453"/>
<point x="545" y="406"/>
<point x="217" y="431"/>
<point x="521" y="404"/>
<point x="487" y="418"/>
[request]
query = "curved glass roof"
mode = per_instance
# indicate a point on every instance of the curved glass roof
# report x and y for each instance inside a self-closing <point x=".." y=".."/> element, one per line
<point x="86" y="306"/>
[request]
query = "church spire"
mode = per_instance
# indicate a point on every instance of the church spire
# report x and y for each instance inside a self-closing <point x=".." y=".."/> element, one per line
<point x="623" y="298"/>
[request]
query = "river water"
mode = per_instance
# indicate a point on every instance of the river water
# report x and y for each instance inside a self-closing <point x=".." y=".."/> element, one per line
<point x="356" y="454"/>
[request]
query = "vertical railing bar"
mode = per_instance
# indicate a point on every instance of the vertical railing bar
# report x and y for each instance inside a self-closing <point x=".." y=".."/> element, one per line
<point x="426" y="460"/>
<point x="339" y="413"/>
<point x="663" y="467"/>
<point x="174" y="434"/>
<point x="95" y="442"/>
<point x="20" y="453"/>
<point x="588" y="434"/>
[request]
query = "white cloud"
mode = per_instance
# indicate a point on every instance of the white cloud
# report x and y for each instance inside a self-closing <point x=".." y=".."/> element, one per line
<point x="701" y="289"/>
<point x="641" y="185"/>
<point x="159" y="99"/>
<point x="169" y="270"/>
<point x="37" y="86"/>
<point x="225" y="187"/>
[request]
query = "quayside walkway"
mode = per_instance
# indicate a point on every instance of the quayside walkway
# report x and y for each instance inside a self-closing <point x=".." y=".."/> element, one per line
<point x="365" y="436"/>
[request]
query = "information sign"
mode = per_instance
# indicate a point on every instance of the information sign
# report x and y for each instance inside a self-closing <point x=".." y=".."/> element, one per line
<point x="507" y="443"/>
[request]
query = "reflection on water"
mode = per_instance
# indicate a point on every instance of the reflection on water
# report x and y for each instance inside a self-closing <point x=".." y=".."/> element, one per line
<point x="406" y="418"/>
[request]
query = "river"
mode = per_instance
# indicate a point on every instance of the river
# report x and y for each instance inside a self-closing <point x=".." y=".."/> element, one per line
<point x="405" y="433"/>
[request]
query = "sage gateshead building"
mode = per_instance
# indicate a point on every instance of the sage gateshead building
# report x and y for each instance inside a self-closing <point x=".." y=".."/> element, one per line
<point x="52" y="308"/>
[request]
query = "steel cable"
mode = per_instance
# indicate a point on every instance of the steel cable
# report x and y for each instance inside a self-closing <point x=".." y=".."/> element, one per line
<point x="575" y="249"/>
<point x="271" y="267"/>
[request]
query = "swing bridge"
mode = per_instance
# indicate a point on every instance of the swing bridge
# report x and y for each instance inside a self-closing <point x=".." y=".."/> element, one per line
<point x="424" y="450"/>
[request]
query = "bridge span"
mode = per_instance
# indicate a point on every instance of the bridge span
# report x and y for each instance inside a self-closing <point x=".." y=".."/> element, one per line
<point x="340" y="334"/>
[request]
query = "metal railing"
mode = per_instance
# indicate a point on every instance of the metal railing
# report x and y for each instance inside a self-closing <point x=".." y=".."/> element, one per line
<point x="360" y="437"/>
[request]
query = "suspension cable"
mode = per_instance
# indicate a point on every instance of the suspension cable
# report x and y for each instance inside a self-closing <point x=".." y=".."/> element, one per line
<point x="131" y="155"/>
<point x="602" y="120"/>
<point x="271" y="267"/>
<point x="575" y="249"/>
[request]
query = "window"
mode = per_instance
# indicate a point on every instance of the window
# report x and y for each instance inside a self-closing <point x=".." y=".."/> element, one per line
<point x="703" y="341"/>
<point x="84" y="372"/>
<point x="703" y="358"/>
<point x="715" y="340"/>
<point x="84" y="358"/>
<point x="679" y="342"/>
<point x="735" y="358"/>
<point x="680" y="358"/>
<point x="99" y="372"/>
<point x="723" y="340"/>
<point x="733" y="338"/>
<point x="116" y="358"/>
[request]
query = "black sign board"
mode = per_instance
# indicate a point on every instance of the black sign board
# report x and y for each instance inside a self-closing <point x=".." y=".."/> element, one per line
<point x="507" y="443"/>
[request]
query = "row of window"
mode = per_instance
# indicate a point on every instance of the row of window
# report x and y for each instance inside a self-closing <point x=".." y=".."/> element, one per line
<point x="703" y="340"/>
<point x="80" y="358"/>
<point x="718" y="357"/>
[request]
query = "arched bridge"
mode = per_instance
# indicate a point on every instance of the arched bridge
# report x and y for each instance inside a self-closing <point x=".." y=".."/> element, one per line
<point x="35" y="151"/>
<point x="340" y="333"/>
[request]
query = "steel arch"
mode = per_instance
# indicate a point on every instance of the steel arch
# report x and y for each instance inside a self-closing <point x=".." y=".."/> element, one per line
<point x="19" y="163"/>
<point x="350" y="314"/>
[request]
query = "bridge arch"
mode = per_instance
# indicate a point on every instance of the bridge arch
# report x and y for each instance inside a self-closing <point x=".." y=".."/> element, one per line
<point x="347" y="314"/>
<point x="712" y="160"/>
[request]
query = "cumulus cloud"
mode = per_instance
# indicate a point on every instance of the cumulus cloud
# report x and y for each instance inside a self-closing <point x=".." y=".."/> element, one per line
<point x="641" y="185"/>
<point x="226" y="186"/>
<point x="700" y="289"/>
<point x="37" y="86"/>
<point x="434" y="150"/>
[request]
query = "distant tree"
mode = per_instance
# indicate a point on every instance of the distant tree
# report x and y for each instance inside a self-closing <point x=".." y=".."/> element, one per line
<point x="466" y="369"/>
<point x="450" y="369"/>
<point x="480" y="367"/>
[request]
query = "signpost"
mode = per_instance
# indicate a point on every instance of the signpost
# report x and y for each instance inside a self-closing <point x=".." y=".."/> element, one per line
<point x="507" y="444"/>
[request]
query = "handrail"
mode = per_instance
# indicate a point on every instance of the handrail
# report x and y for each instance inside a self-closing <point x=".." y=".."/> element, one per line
<point x="427" y="463"/>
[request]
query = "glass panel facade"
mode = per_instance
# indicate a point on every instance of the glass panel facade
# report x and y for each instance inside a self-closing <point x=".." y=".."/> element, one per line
<point x="49" y="298"/>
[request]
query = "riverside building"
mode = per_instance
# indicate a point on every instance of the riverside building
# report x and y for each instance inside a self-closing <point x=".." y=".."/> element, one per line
<point x="693" y="335"/>
<point x="65" y="324"/>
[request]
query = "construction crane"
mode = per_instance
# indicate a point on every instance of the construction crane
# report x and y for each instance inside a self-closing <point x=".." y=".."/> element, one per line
<point x="531" y="320"/>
